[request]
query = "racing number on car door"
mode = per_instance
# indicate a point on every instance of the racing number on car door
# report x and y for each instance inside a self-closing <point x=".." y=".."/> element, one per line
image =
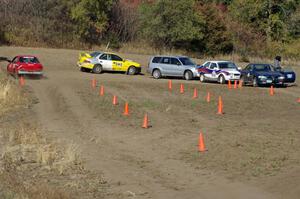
<point x="117" y="63"/>
<point x="105" y="61"/>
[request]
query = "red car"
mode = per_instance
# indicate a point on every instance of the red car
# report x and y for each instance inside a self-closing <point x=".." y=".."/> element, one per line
<point x="25" y="65"/>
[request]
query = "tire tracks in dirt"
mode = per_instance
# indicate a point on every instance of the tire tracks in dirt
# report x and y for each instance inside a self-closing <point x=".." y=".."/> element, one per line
<point x="130" y="163"/>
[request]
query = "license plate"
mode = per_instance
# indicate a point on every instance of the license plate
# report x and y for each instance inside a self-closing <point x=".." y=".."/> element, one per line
<point x="289" y="76"/>
<point x="269" y="81"/>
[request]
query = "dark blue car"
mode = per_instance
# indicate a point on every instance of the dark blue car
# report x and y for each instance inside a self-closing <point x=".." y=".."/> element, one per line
<point x="266" y="74"/>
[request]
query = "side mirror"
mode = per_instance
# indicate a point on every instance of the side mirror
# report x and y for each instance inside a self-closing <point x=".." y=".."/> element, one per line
<point x="178" y="64"/>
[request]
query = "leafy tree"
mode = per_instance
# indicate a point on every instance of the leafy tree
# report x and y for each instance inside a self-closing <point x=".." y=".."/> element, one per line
<point x="171" y="22"/>
<point x="91" y="17"/>
<point x="216" y="39"/>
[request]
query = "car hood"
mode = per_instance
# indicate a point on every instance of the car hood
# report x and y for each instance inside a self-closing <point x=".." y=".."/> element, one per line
<point x="231" y="70"/>
<point x="130" y="62"/>
<point x="268" y="73"/>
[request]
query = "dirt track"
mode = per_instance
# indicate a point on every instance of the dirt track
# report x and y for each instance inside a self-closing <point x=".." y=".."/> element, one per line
<point x="248" y="148"/>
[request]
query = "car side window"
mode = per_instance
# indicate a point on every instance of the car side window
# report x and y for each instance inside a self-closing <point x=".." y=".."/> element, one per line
<point x="165" y="60"/>
<point x="175" y="61"/>
<point x="103" y="57"/>
<point x="206" y="64"/>
<point x="116" y="58"/>
<point x="213" y="66"/>
<point x="156" y="59"/>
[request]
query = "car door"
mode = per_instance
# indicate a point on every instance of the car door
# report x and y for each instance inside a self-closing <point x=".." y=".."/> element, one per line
<point x="166" y="67"/>
<point x="177" y="67"/>
<point x="106" y="62"/>
<point x="212" y="75"/>
<point x="117" y="63"/>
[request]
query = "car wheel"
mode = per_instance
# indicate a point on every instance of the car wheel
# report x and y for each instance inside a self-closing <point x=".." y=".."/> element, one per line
<point x="83" y="69"/>
<point x="255" y="84"/>
<point x="221" y="79"/>
<point x="202" y="78"/>
<point x="188" y="75"/>
<point x="131" y="70"/>
<point x="97" y="69"/>
<point x="156" y="74"/>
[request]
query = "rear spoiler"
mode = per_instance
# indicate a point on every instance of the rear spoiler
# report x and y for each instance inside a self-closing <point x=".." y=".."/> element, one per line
<point x="84" y="54"/>
<point x="4" y="59"/>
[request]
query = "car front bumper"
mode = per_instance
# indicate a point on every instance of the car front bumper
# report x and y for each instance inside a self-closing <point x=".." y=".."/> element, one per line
<point x="232" y="77"/>
<point x="270" y="82"/>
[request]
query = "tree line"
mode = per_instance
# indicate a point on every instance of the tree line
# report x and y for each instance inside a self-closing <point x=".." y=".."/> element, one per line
<point x="207" y="27"/>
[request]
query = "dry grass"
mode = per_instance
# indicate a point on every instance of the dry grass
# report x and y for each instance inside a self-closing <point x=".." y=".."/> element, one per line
<point x="32" y="166"/>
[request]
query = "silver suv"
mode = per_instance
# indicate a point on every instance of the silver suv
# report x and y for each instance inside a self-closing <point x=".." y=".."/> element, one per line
<point x="176" y="66"/>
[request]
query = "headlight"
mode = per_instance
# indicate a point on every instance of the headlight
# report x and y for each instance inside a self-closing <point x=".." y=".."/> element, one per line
<point x="281" y="77"/>
<point x="262" y="77"/>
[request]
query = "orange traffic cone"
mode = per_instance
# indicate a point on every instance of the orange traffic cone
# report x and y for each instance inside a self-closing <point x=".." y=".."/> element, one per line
<point x="220" y="106"/>
<point x="170" y="85"/>
<point x="146" y="121"/>
<point x="235" y="84"/>
<point x="240" y="83"/>
<point x="195" y="93"/>
<point x="181" y="88"/>
<point x="126" y="109"/>
<point x="229" y="84"/>
<point x="208" y="97"/>
<point x="115" y="100"/>
<point x="272" y="90"/>
<point x="201" y="145"/>
<point x="94" y="83"/>
<point x="21" y="81"/>
<point x="101" y="93"/>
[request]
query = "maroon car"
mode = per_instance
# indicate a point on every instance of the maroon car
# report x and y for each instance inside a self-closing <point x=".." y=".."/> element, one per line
<point x="25" y="65"/>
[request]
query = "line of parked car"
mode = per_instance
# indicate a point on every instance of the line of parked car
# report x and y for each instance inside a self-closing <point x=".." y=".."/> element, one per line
<point x="255" y="74"/>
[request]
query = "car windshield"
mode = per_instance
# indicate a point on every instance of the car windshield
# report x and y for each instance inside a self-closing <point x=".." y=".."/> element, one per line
<point x="186" y="61"/>
<point x="225" y="65"/>
<point x="33" y="60"/>
<point x="95" y="54"/>
<point x="262" y="67"/>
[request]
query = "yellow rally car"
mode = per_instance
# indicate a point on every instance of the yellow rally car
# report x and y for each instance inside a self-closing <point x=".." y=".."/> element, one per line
<point x="97" y="62"/>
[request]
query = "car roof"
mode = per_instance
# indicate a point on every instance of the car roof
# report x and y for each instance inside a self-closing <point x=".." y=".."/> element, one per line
<point x="26" y="56"/>
<point x="259" y="64"/>
<point x="219" y="61"/>
<point x="172" y="56"/>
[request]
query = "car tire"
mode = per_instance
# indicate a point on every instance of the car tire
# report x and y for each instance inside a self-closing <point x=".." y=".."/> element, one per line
<point x="188" y="75"/>
<point x="156" y="74"/>
<point x="254" y="82"/>
<point x="202" y="78"/>
<point x="221" y="79"/>
<point x="131" y="70"/>
<point x="83" y="69"/>
<point x="97" y="69"/>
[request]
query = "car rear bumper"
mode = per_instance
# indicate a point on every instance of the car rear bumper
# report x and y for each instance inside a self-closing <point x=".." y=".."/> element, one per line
<point x="30" y="72"/>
